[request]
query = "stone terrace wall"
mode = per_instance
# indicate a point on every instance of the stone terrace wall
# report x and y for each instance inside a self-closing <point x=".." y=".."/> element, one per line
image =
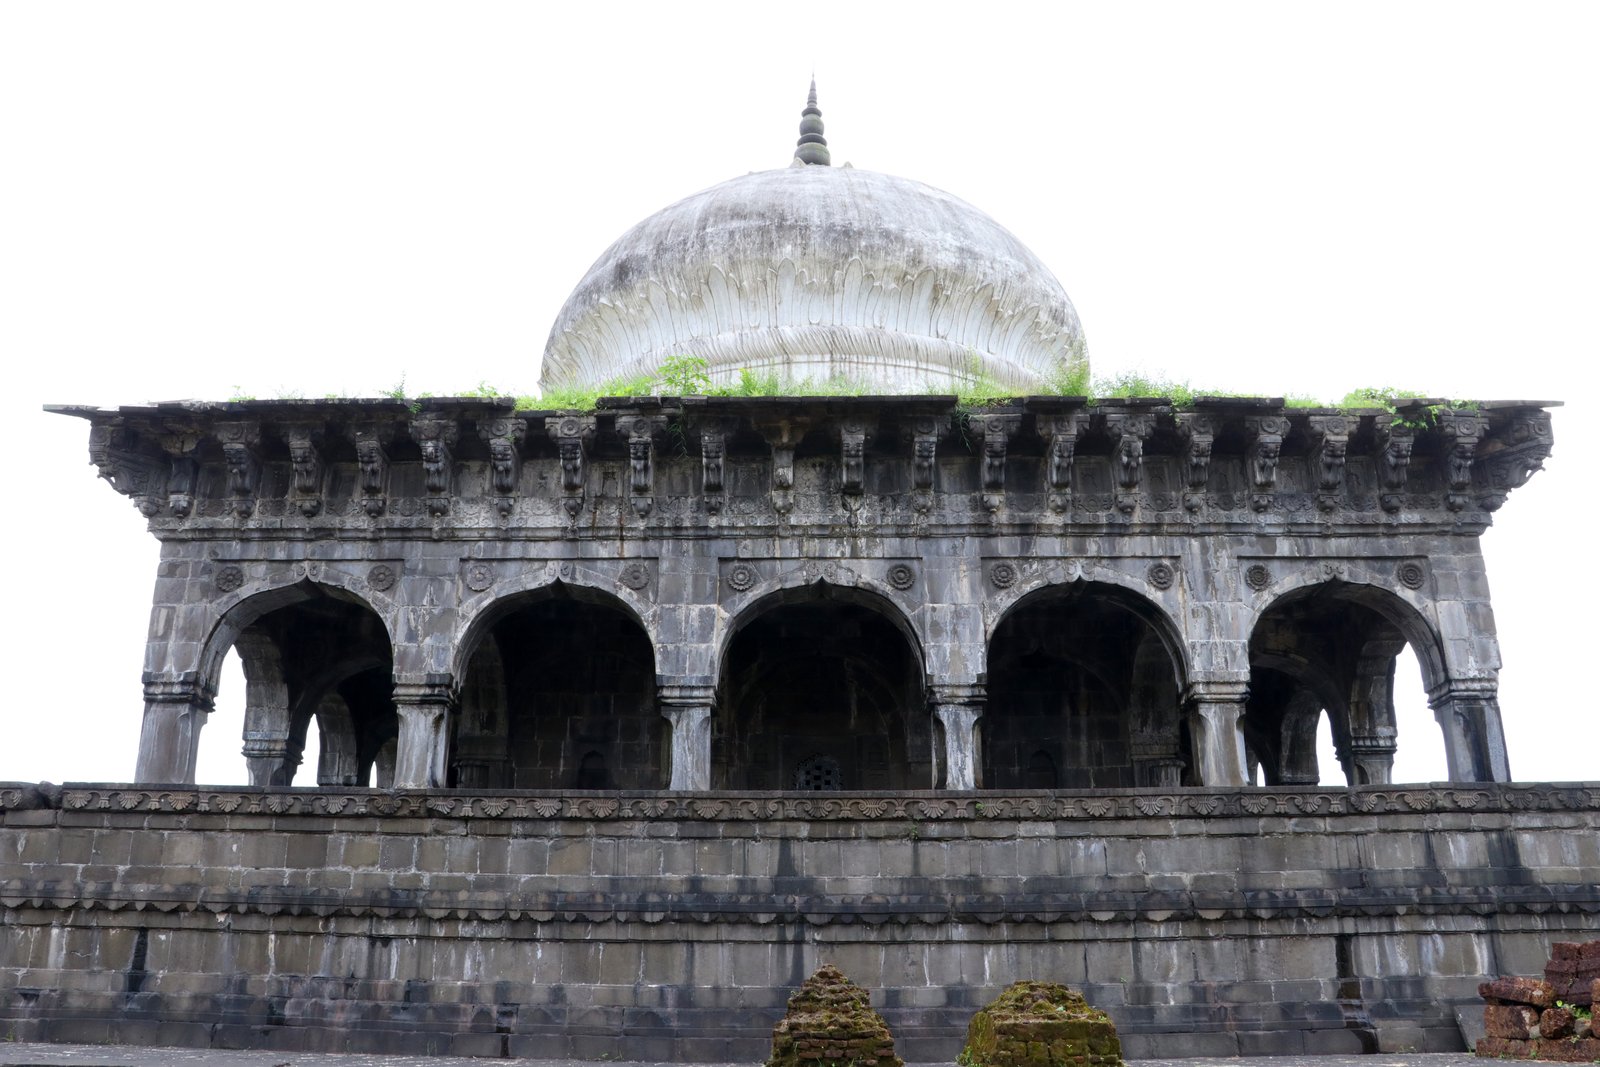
<point x="657" y="925"/>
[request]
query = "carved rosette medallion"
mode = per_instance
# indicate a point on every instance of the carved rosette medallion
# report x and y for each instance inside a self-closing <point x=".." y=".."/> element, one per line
<point x="1161" y="576"/>
<point x="1257" y="577"/>
<point x="1411" y="574"/>
<point x="902" y="576"/>
<point x="1003" y="575"/>
<point x="229" y="578"/>
<point x="742" y="577"/>
<point x="478" y="576"/>
<point x="381" y="577"/>
<point x="636" y="575"/>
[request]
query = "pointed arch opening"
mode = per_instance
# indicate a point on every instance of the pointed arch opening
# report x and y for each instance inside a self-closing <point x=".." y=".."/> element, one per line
<point x="558" y="692"/>
<point x="309" y="655"/>
<point x="1085" y="685"/>
<point x="1329" y="653"/>
<point x="822" y="688"/>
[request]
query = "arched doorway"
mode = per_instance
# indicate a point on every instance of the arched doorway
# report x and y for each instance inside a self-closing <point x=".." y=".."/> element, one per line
<point x="559" y="692"/>
<point x="1330" y="651"/>
<point x="1084" y="692"/>
<point x="822" y="688"/>
<point x="311" y="654"/>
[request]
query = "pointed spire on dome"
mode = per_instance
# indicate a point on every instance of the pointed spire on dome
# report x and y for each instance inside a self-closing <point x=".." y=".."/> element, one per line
<point x="812" y="148"/>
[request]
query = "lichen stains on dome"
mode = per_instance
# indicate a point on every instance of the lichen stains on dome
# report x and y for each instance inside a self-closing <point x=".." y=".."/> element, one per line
<point x="818" y="272"/>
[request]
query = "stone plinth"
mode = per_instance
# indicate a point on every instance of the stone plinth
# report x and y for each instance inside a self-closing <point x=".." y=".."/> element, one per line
<point x="1041" y="1024"/>
<point x="830" y="1024"/>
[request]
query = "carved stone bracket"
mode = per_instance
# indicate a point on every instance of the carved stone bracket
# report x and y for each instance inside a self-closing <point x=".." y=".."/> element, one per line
<point x="1129" y="431"/>
<point x="924" y="437"/>
<point x="572" y="435"/>
<point x="995" y="431"/>
<point x="372" y="462"/>
<point x="782" y="436"/>
<point x="1061" y="435"/>
<point x="142" y="478"/>
<point x="641" y="432"/>
<point x="182" y="474"/>
<point x="1198" y="432"/>
<point x="1461" y="432"/>
<point x="713" y="456"/>
<point x="1265" y="449"/>
<point x="241" y="442"/>
<point x="437" y="439"/>
<point x="504" y="438"/>
<point x="1331" y="437"/>
<point x="1394" y="460"/>
<point x="853" y="437"/>
<point x="1508" y="461"/>
<point x="305" y="460"/>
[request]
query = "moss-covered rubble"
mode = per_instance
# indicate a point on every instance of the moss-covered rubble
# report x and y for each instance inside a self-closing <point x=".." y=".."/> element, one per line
<point x="1041" y="1024"/>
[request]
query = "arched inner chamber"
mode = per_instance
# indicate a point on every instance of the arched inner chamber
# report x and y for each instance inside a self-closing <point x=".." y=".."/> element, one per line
<point x="821" y="693"/>
<point x="559" y="693"/>
<point x="1083" y="693"/>
<point x="321" y="659"/>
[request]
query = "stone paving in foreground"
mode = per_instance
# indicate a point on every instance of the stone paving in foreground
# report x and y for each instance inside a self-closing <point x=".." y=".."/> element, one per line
<point x="45" y="1055"/>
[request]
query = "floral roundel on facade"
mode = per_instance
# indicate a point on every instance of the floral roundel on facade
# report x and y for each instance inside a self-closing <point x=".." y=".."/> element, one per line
<point x="902" y="576"/>
<point x="479" y="576"/>
<point x="381" y="577"/>
<point x="229" y="578"/>
<point x="1257" y="577"/>
<point x="1003" y="575"/>
<point x="1161" y="575"/>
<point x="741" y="577"/>
<point x="636" y="575"/>
<point x="1411" y="574"/>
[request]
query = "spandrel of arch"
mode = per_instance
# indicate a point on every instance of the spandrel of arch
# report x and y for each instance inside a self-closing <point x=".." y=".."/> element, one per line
<point x="559" y="692"/>
<point x="1331" y="650"/>
<point x="301" y="649"/>
<point x="1084" y="689"/>
<point x="825" y="685"/>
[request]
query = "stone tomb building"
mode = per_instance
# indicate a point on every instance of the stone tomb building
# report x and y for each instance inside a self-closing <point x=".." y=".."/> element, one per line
<point x="632" y="716"/>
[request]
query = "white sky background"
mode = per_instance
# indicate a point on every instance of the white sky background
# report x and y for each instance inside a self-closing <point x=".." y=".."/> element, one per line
<point x="306" y="198"/>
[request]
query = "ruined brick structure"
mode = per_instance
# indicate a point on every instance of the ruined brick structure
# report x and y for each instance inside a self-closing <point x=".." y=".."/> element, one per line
<point x="631" y="717"/>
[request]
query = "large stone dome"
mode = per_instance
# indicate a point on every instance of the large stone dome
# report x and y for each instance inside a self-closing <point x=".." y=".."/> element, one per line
<point x="819" y="272"/>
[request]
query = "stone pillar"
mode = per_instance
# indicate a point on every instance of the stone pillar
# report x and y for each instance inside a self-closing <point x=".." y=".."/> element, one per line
<point x="1216" y="714"/>
<point x="688" y="709"/>
<point x="958" y="709"/>
<point x="272" y="760"/>
<point x="174" y="711"/>
<point x="423" y="749"/>
<point x="1468" y="711"/>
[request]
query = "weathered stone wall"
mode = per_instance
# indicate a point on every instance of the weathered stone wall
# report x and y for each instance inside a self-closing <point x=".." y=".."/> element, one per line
<point x="674" y="925"/>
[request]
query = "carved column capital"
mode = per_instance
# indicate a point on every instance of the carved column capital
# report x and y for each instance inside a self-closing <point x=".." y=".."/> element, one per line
<point x="1216" y="711"/>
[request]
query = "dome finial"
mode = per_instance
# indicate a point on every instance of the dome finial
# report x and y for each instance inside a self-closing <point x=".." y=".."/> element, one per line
<point x="812" y="148"/>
